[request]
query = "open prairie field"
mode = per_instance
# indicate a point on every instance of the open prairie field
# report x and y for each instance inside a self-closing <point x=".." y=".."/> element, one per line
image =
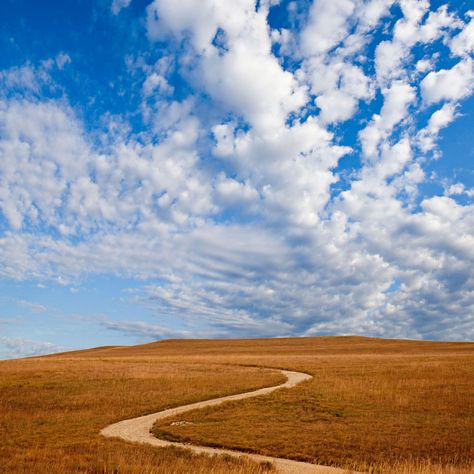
<point x="52" y="409"/>
<point x="372" y="405"/>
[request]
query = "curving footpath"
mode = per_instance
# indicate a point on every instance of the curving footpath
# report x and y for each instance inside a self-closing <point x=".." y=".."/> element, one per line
<point x="137" y="430"/>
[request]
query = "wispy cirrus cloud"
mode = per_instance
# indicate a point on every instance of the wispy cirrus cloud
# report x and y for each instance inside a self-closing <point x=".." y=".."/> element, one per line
<point x="35" y="307"/>
<point x="15" y="347"/>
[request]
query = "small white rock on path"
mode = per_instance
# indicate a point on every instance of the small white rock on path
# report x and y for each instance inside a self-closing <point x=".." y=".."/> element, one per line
<point x="137" y="430"/>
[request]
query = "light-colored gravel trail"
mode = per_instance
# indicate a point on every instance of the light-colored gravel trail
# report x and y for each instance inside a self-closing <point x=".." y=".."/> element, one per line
<point x="137" y="430"/>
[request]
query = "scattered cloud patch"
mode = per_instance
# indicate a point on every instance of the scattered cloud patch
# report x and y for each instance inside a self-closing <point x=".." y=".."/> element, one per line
<point x="16" y="347"/>
<point x="118" y="5"/>
<point x="35" y="307"/>
<point x="449" y="84"/>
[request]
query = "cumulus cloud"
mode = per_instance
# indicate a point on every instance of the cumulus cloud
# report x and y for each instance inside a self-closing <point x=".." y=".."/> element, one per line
<point x="327" y="25"/>
<point x="449" y="84"/>
<point x="41" y="154"/>
<point x="463" y="43"/>
<point x="241" y="207"/>
<point x="52" y="176"/>
<point x="241" y="72"/>
<point x="440" y="119"/>
<point x="418" y="26"/>
<point x="397" y="99"/>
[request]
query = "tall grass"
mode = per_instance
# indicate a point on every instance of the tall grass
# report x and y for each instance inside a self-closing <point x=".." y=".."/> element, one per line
<point x="398" y="407"/>
<point x="51" y="411"/>
<point x="406" y="407"/>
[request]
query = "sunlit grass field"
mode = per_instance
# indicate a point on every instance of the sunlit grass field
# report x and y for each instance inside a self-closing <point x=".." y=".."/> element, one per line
<point x="52" y="409"/>
<point x="372" y="405"/>
<point x="375" y="405"/>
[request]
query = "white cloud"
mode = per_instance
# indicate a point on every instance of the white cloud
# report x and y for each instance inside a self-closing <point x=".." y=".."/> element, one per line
<point x="224" y="135"/>
<point x="254" y="86"/>
<point x="440" y="119"/>
<point x="340" y="87"/>
<point x="234" y="193"/>
<point x="51" y="175"/>
<point x="15" y="347"/>
<point x="242" y="75"/>
<point x="459" y="189"/>
<point x="155" y="82"/>
<point x="336" y="106"/>
<point x="23" y="78"/>
<point x="463" y="43"/>
<point x="35" y="307"/>
<point x="327" y="25"/>
<point x="62" y="59"/>
<point x="372" y="11"/>
<point x="146" y="331"/>
<point x="417" y="26"/>
<point x="118" y="5"/>
<point x="43" y="150"/>
<point x="449" y="84"/>
<point x="397" y="99"/>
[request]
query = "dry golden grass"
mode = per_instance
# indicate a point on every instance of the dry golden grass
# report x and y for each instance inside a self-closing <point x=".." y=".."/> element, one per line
<point x="51" y="411"/>
<point x="401" y="407"/>
<point x="386" y="406"/>
<point x="421" y="467"/>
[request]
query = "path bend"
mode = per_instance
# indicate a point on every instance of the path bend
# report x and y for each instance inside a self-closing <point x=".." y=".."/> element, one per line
<point x="138" y="429"/>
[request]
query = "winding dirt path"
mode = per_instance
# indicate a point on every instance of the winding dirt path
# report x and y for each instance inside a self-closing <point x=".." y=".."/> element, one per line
<point x="137" y="430"/>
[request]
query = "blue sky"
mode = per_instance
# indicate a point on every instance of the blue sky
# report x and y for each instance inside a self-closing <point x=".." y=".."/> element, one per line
<point x="234" y="169"/>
